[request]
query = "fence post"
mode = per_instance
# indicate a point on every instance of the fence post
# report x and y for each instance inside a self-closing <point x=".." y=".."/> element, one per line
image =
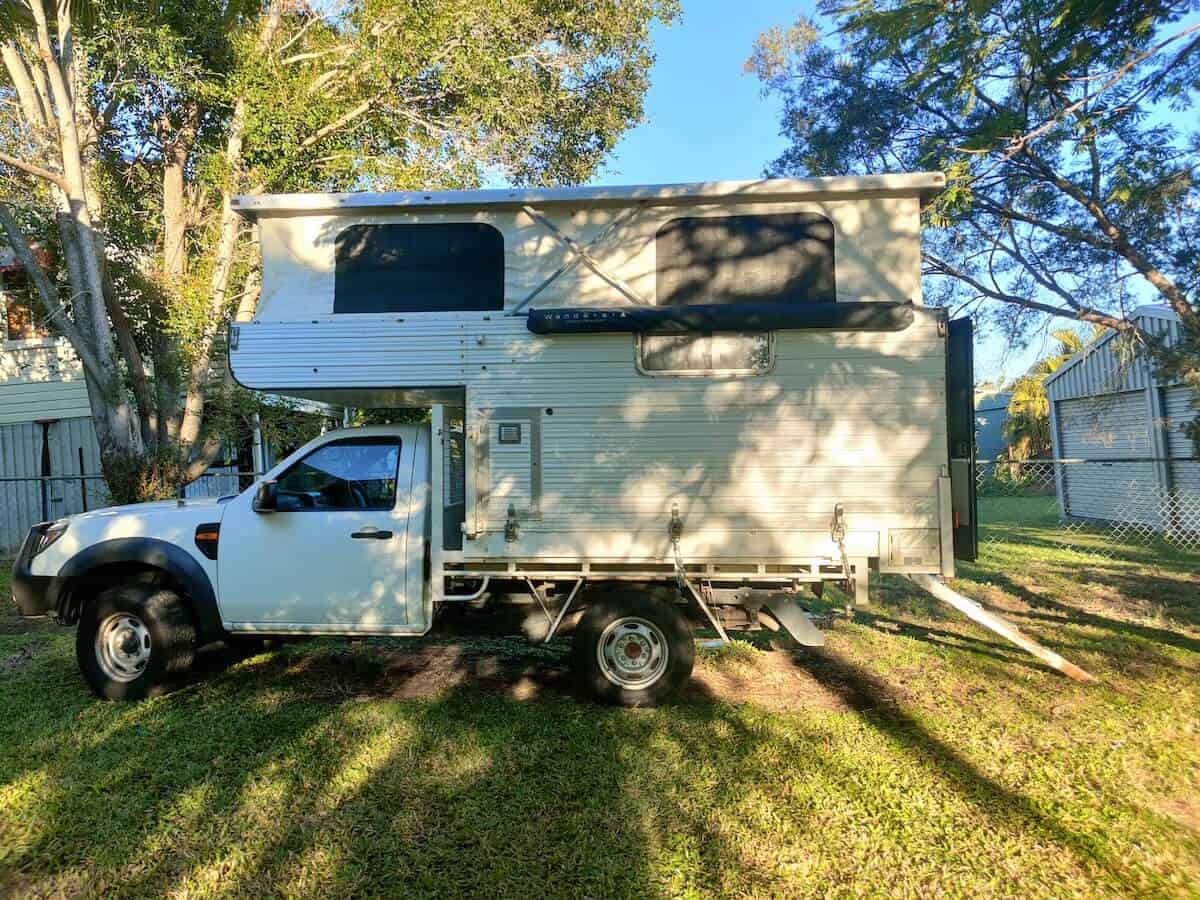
<point x="82" y="482"/>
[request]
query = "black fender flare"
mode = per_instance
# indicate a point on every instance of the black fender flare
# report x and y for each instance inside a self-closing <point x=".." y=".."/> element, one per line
<point x="172" y="559"/>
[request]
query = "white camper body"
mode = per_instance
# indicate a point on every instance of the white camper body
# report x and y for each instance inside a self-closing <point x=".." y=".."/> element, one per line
<point x="577" y="452"/>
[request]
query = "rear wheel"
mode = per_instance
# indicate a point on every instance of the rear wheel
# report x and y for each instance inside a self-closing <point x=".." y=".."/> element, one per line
<point x="134" y="641"/>
<point x="632" y="650"/>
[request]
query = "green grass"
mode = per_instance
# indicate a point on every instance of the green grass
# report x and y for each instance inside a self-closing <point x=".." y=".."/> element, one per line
<point x="925" y="757"/>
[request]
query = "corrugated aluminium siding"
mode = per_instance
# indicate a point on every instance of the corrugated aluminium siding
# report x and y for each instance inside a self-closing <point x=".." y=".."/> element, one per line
<point x="1185" y="466"/>
<point x="1112" y="427"/>
<point x="1178" y="409"/>
<point x="21" y="457"/>
<point x="755" y="464"/>
<point x="1111" y="365"/>
<point x="41" y="381"/>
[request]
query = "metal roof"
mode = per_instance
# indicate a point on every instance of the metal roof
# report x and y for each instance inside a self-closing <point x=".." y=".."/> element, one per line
<point x="921" y="184"/>
<point x="993" y="400"/>
<point x="1099" y="369"/>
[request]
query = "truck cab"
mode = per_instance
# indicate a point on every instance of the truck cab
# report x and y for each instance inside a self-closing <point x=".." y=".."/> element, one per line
<point x="333" y="540"/>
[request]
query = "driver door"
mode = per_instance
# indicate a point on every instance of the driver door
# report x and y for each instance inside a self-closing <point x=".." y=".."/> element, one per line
<point x="332" y="557"/>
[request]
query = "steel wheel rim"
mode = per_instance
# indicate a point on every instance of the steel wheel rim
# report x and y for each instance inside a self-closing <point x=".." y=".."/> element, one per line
<point x="123" y="647"/>
<point x="632" y="653"/>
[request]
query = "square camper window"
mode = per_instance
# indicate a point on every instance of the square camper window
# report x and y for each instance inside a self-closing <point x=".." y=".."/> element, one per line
<point x="432" y="267"/>
<point x="770" y="258"/>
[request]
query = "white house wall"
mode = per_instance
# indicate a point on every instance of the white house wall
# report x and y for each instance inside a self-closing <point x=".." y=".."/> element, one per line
<point x="41" y="380"/>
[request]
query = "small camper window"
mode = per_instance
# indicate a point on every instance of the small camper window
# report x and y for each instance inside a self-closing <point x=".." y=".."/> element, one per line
<point x="770" y="258"/>
<point x="431" y="267"/>
<point x="704" y="354"/>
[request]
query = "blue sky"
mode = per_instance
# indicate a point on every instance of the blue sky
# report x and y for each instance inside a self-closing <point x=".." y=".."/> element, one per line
<point x="707" y="121"/>
<point x="705" y="118"/>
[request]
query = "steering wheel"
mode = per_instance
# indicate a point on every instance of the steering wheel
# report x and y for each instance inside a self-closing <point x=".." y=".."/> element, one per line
<point x="358" y="495"/>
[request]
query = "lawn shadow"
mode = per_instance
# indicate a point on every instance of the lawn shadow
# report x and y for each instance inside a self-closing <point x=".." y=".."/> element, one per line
<point x="448" y="768"/>
<point x="1064" y="613"/>
<point x="878" y="704"/>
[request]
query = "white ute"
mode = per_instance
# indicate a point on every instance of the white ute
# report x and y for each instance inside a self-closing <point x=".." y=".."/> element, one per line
<point x="334" y="540"/>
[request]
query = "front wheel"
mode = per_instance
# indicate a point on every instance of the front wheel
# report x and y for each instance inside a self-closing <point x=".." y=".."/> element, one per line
<point x="134" y="641"/>
<point x="632" y="650"/>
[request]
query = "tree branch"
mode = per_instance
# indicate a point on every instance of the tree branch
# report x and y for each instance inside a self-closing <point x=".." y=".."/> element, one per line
<point x="340" y="122"/>
<point x="1081" y="313"/>
<point x="1017" y="145"/>
<point x="1120" y="241"/>
<point x="37" y="171"/>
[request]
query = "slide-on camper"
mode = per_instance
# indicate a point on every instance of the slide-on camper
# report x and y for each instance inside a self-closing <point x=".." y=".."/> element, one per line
<point x="651" y="406"/>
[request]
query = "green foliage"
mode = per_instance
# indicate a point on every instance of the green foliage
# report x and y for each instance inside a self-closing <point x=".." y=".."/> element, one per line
<point x="1067" y="186"/>
<point x="388" y="416"/>
<point x="237" y="96"/>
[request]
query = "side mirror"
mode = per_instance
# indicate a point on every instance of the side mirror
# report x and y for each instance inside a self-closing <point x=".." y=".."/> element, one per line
<point x="265" y="498"/>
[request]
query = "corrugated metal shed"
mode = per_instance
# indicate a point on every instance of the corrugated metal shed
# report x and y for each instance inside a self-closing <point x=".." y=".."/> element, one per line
<point x="73" y="452"/>
<point x="991" y="415"/>
<point x="1112" y="365"/>
<point x="1110" y="407"/>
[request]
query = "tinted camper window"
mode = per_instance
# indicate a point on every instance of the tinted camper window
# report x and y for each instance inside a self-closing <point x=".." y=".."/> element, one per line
<point x="439" y="267"/>
<point x="774" y="258"/>
<point x="697" y="354"/>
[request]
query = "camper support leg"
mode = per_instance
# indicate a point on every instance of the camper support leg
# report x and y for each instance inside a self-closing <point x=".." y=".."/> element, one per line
<point x="537" y="595"/>
<point x="562" y="611"/>
<point x="716" y="623"/>
<point x="977" y="613"/>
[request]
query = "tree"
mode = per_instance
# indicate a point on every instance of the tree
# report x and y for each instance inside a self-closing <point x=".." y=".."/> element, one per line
<point x="1028" y="425"/>
<point x="1070" y="189"/>
<point x="126" y="127"/>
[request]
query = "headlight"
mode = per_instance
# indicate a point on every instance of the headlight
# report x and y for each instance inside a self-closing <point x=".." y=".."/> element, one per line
<point x="51" y="534"/>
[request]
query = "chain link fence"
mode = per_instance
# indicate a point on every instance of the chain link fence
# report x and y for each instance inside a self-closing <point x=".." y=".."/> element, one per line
<point x="1096" y="506"/>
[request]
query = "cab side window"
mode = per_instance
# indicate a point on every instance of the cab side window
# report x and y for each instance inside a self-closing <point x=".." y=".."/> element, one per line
<point x="354" y="473"/>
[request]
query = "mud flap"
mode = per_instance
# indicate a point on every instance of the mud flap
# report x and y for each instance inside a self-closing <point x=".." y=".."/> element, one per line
<point x="795" y="620"/>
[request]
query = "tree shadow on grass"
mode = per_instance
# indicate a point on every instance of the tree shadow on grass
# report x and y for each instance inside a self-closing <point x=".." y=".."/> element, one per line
<point x="1063" y="613"/>
<point x="322" y="771"/>
<point x="874" y="700"/>
<point x="951" y="640"/>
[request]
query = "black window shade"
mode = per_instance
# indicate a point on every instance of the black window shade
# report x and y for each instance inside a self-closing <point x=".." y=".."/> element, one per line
<point x="770" y="258"/>
<point x="436" y="267"/>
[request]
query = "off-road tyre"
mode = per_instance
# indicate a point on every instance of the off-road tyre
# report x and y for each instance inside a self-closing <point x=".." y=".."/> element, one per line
<point x="141" y="624"/>
<point x="638" y="620"/>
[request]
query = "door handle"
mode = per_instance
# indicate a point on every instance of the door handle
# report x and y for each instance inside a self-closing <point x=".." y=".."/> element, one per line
<point x="368" y="533"/>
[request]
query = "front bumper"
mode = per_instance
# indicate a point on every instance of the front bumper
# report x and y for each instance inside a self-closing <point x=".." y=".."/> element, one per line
<point x="33" y="594"/>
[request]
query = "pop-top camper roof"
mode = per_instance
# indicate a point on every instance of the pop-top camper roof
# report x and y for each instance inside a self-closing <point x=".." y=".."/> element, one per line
<point x="924" y="184"/>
